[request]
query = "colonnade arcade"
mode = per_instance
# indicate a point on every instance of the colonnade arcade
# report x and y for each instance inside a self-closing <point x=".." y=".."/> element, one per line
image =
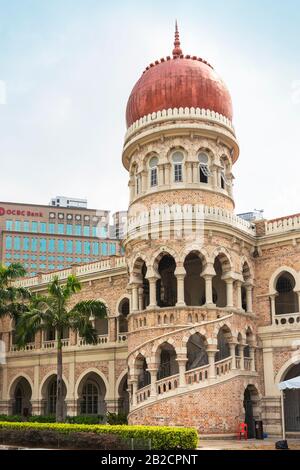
<point x="195" y="281"/>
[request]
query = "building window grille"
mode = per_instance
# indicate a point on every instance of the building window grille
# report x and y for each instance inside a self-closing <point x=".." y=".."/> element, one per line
<point x="153" y="171"/>
<point x="177" y="165"/>
<point x="8" y="243"/>
<point x="90" y="398"/>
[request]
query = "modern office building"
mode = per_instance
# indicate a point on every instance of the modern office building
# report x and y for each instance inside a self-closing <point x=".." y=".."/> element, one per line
<point x="65" y="201"/>
<point x="46" y="238"/>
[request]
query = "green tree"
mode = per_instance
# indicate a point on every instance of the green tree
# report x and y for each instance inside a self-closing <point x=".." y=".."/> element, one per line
<point x="12" y="297"/>
<point x="52" y="311"/>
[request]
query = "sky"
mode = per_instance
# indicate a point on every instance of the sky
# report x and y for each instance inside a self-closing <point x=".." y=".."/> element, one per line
<point x="67" y="68"/>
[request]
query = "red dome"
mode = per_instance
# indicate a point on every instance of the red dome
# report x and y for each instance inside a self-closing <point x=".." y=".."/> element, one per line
<point x="178" y="83"/>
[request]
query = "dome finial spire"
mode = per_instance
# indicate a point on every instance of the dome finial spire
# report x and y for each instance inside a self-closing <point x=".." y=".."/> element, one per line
<point x="177" y="50"/>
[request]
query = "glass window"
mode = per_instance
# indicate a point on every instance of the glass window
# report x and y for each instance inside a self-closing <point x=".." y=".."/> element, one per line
<point x="204" y="172"/>
<point x="87" y="248"/>
<point x="153" y="171"/>
<point x="17" y="225"/>
<point x="8" y="243"/>
<point x="26" y="256"/>
<point x="104" y="248"/>
<point x="43" y="227"/>
<point x="69" y="229"/>
<point x="60" y="229"/>
<point x="33" y="257"/>
<point x="61" y="246"/>
<point x="26" y="226"/>
<point x="86" y="230"/>
<point x="51" y="266"/>
<point x="17" y="243"/>
<point x="78" y="247"/>
<point x="34" y="227"/>
<point x="9" y="225"/>
<point x="177" y="164"/>
<point x="103" y="232"/>
<point x="69" y="246"/>
<point x="94" y="232"/>
<point x="43" y="244"/>
<point x="69" y="259"/>
<point x="26" y="244"/>
<point x="113" y="249"/>
<point x="60" y="266"/>
<point x="17" y="256"/>
<point x="77" y="229"/>
<point x="95" y="248"/>
<point x="8" y="255"/>
<point x="43" y="258"/>
<point x="51" y="258"/>
<point x="60" y="258"/>
<point x="51" y="245"/>
<point x="42" y="266"/>
<point x="52" y="228"/>
<point x="33" y="265"/>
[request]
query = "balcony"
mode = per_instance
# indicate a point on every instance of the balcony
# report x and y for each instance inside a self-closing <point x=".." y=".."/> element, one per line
<point x="287" y="319"/>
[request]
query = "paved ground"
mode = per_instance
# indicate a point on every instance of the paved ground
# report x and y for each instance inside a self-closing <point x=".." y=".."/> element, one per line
<point x="251" y="444"/>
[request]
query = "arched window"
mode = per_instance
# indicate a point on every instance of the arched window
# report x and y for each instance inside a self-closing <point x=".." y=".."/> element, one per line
<point x="287" y="299"/>
<point x="223" y="178"/>
<point x="90" y="398"/>
<point x="153" y="171"/>
<point x="52" y="397"/>
<point x="177" y="159"/>
<point x="18" y="401"/>
<point x="204" y="172"/>
<point x="124" y="312"/>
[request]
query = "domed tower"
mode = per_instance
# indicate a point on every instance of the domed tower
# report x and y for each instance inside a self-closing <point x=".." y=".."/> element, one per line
<point x="191" y="326"/>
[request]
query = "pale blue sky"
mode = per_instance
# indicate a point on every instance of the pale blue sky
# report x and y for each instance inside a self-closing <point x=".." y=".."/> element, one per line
<point x="69" y="67"/>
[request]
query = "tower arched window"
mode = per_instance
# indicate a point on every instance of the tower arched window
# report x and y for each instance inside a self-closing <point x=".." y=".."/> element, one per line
<point x="204" y="172"/>
<point x="153" y="171"/>
<point x="177" y="159"/>
<point x="137" y="182"/>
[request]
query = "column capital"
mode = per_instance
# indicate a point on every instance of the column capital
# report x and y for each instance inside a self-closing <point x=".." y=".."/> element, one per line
<point x="180" y="271"/>
<point x="209" y="271"/>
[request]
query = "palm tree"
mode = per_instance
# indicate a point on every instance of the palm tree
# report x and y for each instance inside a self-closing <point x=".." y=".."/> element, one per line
<point x="52" y="312"/>
<point x="12" y="297"/>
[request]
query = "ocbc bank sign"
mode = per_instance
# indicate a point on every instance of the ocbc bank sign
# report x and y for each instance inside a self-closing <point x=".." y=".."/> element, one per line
<point x="20" y="212"/>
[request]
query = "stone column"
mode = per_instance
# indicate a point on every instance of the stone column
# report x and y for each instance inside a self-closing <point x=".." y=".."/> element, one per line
<point x="229" y="292"/>
<point x="152" y="292"/>
<point x="167" y="173"/>
<point x="182" y="369"/>
<point x="135" y="299"/>
<point x="215" y="175"/>
<point x="160" y="175"/>
<point x="241" y="355"/>
<point x="249" y="298"/>
<point x="239" y="294"/>
<point x="208" y="289"/>
<point x="273" y="307"/>
<point x="232" y="346"/>
<point x="131" y="189"/>
<point x="211" y="351"/>
<point x="189" y="175"/>
<point x="144" y="181"/>
<point x="134" y="382"/>
<point x="153" y="374"/>
<point x="140" y="294"/>
<point x="252" y="357"/>
<point x="195" y="172"/>
<point x="180" y="275"/>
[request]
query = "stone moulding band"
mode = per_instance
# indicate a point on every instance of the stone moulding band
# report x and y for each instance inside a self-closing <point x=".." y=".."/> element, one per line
<point x="182" y="216"/>
<point x="180" y="113"/>
<point x="283" y="225"/>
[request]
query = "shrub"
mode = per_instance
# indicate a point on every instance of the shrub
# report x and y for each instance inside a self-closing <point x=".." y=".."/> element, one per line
<point x="42" y="419"/>
<point x="85" y="419"/>
<point x="116" y="418"/>
<point x="53" y="438"/>
<point x="163" y="438"/>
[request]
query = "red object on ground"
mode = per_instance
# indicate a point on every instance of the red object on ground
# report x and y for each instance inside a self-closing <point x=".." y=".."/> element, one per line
<point x="242" y="431"/>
